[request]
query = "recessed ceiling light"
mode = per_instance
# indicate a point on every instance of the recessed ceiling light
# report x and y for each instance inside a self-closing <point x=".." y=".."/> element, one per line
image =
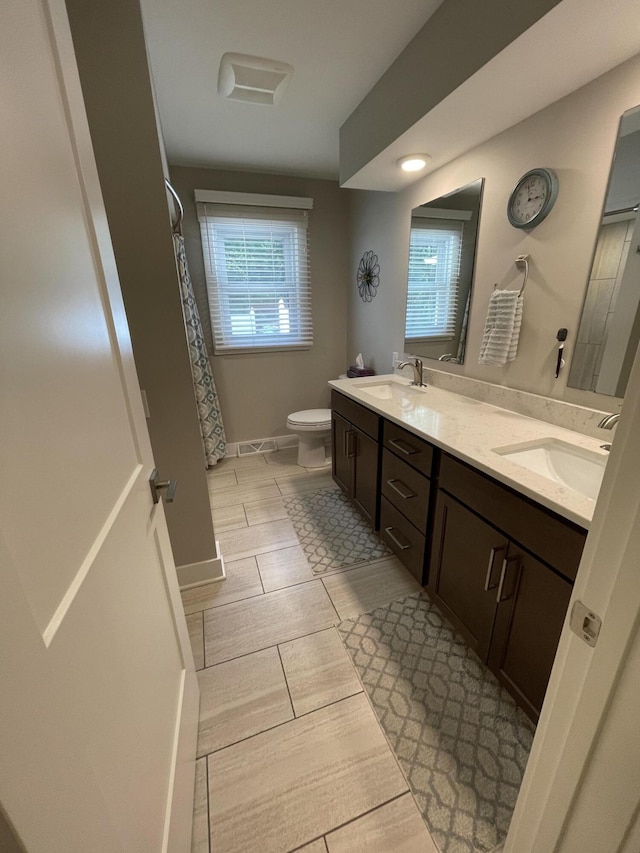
<point x="413" y="162"/>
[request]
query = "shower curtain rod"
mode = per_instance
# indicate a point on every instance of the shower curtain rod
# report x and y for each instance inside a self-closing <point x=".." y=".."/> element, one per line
<point x="177" y="225"/>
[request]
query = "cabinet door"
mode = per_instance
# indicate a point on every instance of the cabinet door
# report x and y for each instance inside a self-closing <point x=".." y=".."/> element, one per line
<point x="466" y="562"/>
<point x="341" y="460"/>
<point x="365" y="476"/>
<point x="529" y="619"/>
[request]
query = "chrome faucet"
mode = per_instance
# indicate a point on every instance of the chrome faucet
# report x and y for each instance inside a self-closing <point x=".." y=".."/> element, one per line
<point x="609" y="421"/>
<point x="416" y="365"/>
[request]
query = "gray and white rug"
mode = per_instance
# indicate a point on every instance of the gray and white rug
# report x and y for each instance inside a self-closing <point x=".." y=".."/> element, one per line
<point x="459" y="736"/>
<point x="331" y="531"/>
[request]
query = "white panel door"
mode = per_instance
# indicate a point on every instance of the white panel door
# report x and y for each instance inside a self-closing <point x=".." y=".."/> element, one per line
<point x="98" y="695"/>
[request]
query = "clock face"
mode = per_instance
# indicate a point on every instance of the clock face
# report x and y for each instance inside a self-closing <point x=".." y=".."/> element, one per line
<point x="532" y="199"/>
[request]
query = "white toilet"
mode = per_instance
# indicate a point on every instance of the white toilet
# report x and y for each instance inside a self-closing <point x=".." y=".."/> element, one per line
<point x="313" y="427"/>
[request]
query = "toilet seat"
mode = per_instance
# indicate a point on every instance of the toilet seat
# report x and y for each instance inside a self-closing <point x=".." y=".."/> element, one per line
<point x="310" y="419"/>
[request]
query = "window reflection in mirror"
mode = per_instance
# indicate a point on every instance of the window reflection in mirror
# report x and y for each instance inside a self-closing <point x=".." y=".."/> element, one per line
<point x="442" y="248"/>
<point x="610" y="325"/>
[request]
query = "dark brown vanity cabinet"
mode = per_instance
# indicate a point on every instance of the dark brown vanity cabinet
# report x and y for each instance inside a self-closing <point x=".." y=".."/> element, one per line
<point x="502" y="569"/>
<point x="406" y="484"/>
<point x="355" y="454"/>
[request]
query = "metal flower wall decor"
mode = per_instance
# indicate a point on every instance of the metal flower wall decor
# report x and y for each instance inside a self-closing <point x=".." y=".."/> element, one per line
<point x="368" y="276"/>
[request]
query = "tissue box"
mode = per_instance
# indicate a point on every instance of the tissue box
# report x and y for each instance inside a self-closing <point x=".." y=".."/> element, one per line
<point x="354" y="371"/>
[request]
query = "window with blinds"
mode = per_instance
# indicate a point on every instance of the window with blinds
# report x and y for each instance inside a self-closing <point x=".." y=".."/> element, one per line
<point x="256" y="259"/>
<point x="435" y="248"/>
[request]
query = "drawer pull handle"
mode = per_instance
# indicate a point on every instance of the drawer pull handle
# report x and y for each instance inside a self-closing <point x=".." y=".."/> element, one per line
<point x="394" y="538"/>
<point x="503" y="574"/>
<point x="403" y="446"/>
<point x="405" y="493"/>
<point x="492" y="556"/>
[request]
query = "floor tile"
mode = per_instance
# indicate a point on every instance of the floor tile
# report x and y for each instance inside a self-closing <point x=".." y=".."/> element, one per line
<point x="194" y="624"/>
<point x="244" y="494"/>
<point x="200" y="831"/>
<point x="315" y="847"/>
<point x="247" y="626"/>
<point x="396" y="826"/>
<point x="254" y="475"/>
<point x="228" y="518"/>
<point x="241" y="698"/>
<point x="286" y="456"/>
<point x="263" y="511"/>
<point x="235" y="463"/>
<point x="242" y="581"/>
<point x="282" y="788"/>
<point x="318" y="671"/>
<point x="221" y="480"/>
<point x="321" y="479"/>
<point x="360" y="590"/>
<point x="238" y="544"/>
<point x="282" y="568"/>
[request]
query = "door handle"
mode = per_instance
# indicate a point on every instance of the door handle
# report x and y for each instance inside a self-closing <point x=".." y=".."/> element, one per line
<point x="394" y="538"/>
<point x="397" y="488"/>
<point x="348" y="446"/>
<point x="158" y="485"/>
<point x="492" y="556"/>
<point x="505" y="565"/>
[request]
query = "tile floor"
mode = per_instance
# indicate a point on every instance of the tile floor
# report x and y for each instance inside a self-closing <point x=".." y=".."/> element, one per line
<point x="290" y="753"/>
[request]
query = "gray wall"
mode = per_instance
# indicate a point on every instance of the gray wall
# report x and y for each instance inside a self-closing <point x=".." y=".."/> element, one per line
<point x="112" y="60"/>
<point x="458" y="39"/>
<point x="576" y="137"/>
<point x="258" y="391"/>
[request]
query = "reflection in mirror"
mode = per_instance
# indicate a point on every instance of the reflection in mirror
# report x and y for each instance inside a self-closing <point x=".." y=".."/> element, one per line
<point x="610" y="325"/>
<point x="442" y="249"/>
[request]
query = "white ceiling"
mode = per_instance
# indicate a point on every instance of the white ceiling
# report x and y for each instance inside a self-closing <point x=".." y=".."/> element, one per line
<point x="339" y="49"/>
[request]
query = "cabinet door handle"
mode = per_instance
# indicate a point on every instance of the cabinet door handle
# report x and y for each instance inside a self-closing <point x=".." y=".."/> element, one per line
<point x="405" y="493"/>
<point x="348" y="445"/>
<point x="394" y="538"/>
<point x="402" y="446"/>
<point x="503" y="574"/>
<point x="492" y="556"/>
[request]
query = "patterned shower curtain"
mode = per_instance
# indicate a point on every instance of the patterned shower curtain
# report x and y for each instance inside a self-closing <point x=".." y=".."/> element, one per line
<point x="211" y="426"/>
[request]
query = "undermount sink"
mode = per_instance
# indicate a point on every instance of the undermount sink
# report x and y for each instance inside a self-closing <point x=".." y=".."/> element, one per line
<point x="389" y="390"/>
<point x="575" y="467"/>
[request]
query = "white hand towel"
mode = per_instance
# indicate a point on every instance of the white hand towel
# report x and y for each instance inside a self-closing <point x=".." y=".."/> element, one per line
<point x="502" y="327"/>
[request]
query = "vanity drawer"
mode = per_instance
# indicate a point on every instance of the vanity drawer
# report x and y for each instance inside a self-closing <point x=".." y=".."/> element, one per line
<point x="408" y="447"/>
<point x="403" y="539"/>
<point x="406" y="488"/>
<point x="358" y="415"/>
<point x="553" y="539"/>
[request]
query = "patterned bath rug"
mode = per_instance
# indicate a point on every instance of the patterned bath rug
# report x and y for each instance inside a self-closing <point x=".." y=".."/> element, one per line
<point x="459" y="736"/>
<point x="331" y="531"/>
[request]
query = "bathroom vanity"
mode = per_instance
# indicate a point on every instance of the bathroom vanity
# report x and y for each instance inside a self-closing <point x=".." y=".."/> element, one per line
<point x="496" y="544"/>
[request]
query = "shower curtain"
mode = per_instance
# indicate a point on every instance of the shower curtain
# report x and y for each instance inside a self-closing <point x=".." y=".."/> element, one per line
<point x="211" y="426"/>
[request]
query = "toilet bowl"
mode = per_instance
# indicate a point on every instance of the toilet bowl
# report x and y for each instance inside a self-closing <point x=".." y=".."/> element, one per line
<point x="312" y="427"/>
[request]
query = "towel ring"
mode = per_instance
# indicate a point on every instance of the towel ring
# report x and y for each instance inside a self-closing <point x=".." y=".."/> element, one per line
<point x="522" y="262"/>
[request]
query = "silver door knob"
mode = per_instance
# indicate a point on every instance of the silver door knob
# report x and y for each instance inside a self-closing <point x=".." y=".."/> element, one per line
<point x="157" y="486"/>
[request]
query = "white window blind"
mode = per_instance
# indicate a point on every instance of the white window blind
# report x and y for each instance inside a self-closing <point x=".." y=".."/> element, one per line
<point x="257" y="269"/>
<point x="435" y="248"/>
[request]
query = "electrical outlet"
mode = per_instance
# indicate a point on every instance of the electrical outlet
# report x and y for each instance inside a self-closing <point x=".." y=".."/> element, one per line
<point x="394" y="360"/>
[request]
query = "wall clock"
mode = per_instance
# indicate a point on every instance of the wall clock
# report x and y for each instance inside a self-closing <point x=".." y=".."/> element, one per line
<point x="368" y="276"/>
<point x="532" y="198"/>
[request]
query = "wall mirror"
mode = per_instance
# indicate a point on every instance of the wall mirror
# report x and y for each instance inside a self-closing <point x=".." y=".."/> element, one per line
<point x="442" y="251"/>
<point x="610" y="324"/>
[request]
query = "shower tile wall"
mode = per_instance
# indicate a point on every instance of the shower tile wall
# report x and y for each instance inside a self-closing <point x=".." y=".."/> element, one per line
<point x="610" y="258"/>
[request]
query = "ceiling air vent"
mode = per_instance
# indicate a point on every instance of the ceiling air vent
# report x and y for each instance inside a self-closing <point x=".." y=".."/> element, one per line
<point x="252" y="78"/>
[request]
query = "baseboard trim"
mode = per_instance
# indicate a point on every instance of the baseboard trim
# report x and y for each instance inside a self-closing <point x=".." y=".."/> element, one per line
<point x="206" y="571"/>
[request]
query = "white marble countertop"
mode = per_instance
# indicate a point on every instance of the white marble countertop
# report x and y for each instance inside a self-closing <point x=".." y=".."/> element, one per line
<point x="471" y="430"/>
